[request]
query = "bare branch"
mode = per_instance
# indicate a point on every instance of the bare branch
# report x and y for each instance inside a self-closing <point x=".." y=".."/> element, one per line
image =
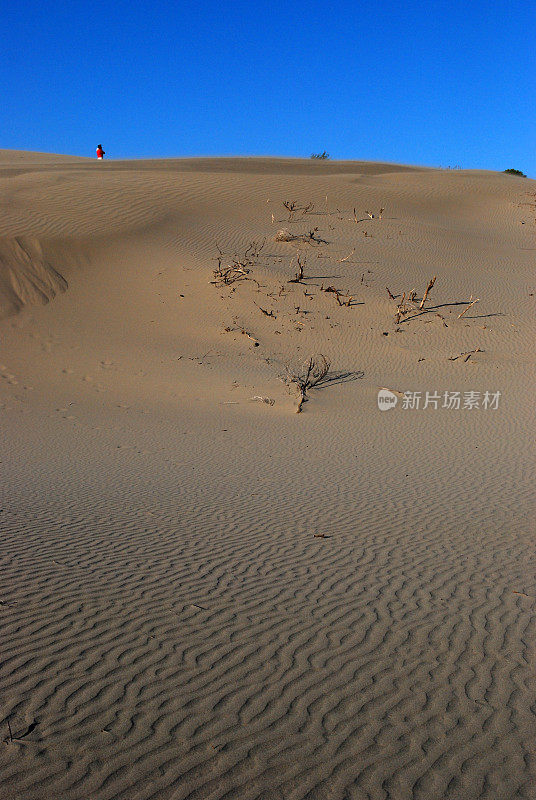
<point x="468" y="307"/>
<point x="467" y="354"/>
<point x="253" y="249"/>
<point x="430" y="285"/>
<point x="291" y="208"/>
<point x="268" y="313"/>
<point x="299" y="275"/>
<point x="340" y="261"/>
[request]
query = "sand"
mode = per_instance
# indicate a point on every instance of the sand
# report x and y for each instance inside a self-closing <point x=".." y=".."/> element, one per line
<point x="205" y="595"/>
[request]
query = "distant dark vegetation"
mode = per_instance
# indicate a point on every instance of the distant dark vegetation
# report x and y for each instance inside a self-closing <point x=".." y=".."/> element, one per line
<point x="515" y="172"/>
<point x="320" y="156"/>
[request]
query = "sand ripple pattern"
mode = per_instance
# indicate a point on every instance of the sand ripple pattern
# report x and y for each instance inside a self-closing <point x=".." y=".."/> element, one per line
<point x="205" y="655"/>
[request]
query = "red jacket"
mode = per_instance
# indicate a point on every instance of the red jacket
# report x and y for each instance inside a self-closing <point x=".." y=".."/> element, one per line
<point x="100" y="152"/>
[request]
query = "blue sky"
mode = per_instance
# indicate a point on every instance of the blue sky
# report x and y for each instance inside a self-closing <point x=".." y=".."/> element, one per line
<point x="436" y="83"/>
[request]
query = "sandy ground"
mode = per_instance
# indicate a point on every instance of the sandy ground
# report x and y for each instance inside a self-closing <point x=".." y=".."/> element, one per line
<point x="205" y="595"/>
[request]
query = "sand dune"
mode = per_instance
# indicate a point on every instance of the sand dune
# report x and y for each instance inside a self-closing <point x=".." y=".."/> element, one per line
<point x="204" y="595"/>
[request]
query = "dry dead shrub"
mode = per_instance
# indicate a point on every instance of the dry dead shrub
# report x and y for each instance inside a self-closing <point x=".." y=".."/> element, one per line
<point x="310" y="374"/>
<point x="239" y="267"/>
<point x="225" y="276"/>
<point x="311" y="237"/>
<point x="293" y="208"/>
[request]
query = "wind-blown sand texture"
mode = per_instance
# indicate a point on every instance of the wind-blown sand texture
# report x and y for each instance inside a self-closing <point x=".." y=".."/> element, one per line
<point x="207" y="596"/>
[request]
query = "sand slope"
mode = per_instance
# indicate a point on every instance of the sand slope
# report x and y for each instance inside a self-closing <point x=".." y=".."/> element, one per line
<point x="172" y="624"/>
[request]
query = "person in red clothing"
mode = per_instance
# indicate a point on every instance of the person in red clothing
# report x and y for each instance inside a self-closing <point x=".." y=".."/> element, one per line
<point x="100" y="152"/>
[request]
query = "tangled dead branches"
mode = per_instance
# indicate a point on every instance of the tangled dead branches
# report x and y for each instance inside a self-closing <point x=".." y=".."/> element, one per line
<point x="225" y="276"/>
<point x="311" y="237"/>
<point x="293" y="208"/>
<point x="313" y="371"/>
<point x="253" y="250"/>
<point x="341" y="298"/>
<point x="410" y="303"/>
<point x="239" y="267"/>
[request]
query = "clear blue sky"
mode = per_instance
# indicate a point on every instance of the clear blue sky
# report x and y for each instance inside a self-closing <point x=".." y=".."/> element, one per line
<point x="437" y="83"/>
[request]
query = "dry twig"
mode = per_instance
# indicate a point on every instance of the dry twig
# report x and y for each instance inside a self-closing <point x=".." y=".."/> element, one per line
<point x="244" y="332"/>
<point x="430" y="285"/>
<point x="471" y="304"/>
<point x="268" y="313"/>
<point x="467" y="354"/>
<point x="341" y="260"/>
<point x="299" y="275"/>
